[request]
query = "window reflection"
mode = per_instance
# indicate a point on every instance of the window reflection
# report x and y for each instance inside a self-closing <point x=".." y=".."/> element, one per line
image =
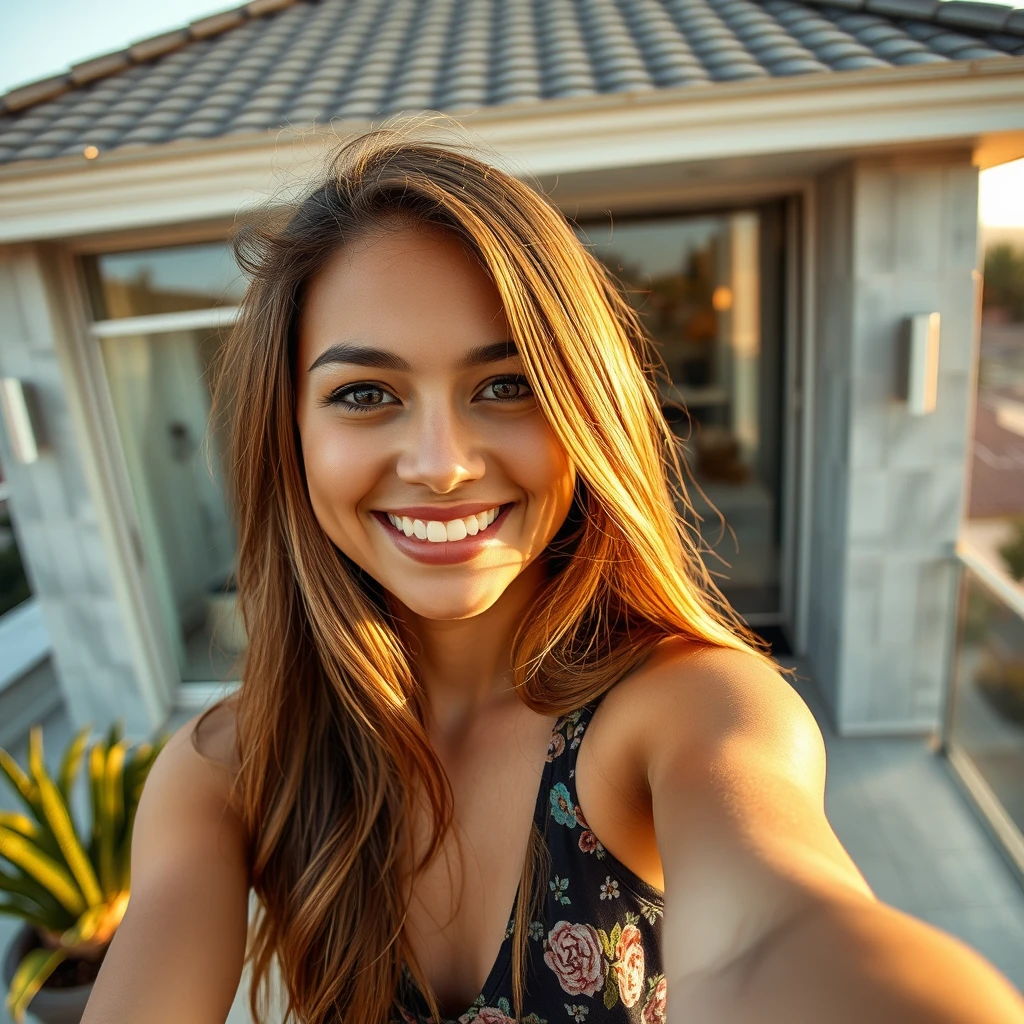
<point x="159" y="385"/>
<point x="171" y="280"/>
<point x="706" y="288"/>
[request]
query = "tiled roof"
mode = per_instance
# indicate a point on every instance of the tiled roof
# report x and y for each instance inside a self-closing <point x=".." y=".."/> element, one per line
<point x="274" y="63"/>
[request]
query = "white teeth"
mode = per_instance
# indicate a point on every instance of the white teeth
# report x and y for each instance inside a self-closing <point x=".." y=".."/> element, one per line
<point x="438" y="532"/>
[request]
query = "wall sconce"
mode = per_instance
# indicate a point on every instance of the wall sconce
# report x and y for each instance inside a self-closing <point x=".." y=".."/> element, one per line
<point x="922" y="363"/>
<point x="15" y="404"/>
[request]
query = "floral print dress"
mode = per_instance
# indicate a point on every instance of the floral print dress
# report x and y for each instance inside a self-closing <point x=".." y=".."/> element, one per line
<point x="595" y="954"/>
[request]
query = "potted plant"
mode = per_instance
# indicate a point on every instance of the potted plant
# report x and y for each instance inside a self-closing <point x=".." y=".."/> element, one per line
<point x="70" y="893"/>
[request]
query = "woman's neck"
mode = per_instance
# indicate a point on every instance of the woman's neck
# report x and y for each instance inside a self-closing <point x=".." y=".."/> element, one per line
<point x="464" y="664"/>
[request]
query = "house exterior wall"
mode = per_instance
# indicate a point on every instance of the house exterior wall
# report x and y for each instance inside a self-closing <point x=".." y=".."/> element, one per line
<point x="55" y="515"/>
<point x="894" y="238"/>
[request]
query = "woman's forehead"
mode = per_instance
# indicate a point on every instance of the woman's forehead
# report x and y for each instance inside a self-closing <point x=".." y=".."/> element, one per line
<point x="409" y="288"/>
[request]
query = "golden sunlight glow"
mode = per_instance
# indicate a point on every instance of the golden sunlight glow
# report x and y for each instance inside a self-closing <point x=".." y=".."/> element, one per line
<point x="1001" y="199"/>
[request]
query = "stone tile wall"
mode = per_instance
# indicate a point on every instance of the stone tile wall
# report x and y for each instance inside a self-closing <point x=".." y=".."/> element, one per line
<point x="895" y="238"/>
<point x="55" y="515"/>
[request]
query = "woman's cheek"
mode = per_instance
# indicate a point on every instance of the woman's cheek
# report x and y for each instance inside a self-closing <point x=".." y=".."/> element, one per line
<point x="340" y="472"/>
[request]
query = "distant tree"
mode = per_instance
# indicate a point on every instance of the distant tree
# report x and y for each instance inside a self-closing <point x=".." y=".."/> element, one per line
<point x="1004" y="280"/>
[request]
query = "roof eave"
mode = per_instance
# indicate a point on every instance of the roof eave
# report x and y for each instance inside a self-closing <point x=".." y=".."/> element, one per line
<point x="940" y="104"/>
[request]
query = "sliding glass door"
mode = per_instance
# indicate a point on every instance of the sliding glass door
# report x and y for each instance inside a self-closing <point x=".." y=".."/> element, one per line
<point x="709" y="290"/>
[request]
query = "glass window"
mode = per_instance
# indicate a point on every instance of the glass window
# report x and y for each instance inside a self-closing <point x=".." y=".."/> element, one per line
<point x="14" y="586"/>
<point x="708" y="291"/>
<point x="170" y="280"/>
<point x="160" y="387"/>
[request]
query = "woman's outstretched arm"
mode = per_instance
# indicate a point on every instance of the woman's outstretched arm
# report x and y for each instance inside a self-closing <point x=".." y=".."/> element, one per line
<point x="177" y="955"/>
<point x="767" y="920"/>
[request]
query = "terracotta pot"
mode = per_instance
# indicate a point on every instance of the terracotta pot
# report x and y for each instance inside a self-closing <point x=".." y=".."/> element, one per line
<point x="49" y="1005"/>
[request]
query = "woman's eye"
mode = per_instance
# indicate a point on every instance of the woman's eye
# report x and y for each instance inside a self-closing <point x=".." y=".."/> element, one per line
<point x="507" y="389"/>
<point x="361" y="397"/>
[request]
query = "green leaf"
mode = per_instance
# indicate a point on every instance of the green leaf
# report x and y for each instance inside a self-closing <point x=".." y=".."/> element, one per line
<point x="22" y="885"/>
<point x="609" y="950"/>
<point x="97" y="771"/>
<point x="58" y="818"/>
<point x="115" y="734"/>
<point x="124" y="853"/>
<point x="29" y="978"/>
<point x="30" y="911"/>
<point x="112" y="818"/>
<point x="23" y="907"/>
<point x="611" y="989"/>
<point x="613" y="940"/>
<point x="44" y="869"/>
<point x="72" y="763"/>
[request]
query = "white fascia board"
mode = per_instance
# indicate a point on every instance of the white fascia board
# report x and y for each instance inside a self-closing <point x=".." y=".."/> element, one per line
<point x="959" y="103"/>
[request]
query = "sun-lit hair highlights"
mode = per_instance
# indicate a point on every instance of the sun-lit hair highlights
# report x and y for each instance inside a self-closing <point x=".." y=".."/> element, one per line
<point x="333" y="752"/>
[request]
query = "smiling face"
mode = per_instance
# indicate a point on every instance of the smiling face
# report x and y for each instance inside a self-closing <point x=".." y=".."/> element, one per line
<point x="427" y="458"/>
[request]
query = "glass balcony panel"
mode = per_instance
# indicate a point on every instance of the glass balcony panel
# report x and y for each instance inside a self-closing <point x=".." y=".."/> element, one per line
<point x="986" y="716"/>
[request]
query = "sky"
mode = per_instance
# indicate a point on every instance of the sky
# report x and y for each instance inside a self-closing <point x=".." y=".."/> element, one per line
<point x="45" y="37"/>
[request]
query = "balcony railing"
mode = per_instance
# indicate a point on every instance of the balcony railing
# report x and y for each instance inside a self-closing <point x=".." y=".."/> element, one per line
<point x="983" y="734"/>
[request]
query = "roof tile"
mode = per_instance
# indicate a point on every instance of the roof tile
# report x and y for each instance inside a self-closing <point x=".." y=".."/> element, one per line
<point x="977" y="16"/>
<point x="274" y="63"/>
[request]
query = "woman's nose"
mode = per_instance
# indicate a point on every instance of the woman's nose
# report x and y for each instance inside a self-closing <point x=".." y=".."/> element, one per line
<point x="440" y="453"/>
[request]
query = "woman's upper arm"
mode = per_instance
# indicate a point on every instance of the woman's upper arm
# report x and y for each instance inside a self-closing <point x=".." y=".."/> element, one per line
<point x="738" y="801"/>
<point x="177" y="955"/>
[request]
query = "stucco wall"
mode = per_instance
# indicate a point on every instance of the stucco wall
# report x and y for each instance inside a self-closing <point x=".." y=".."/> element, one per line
<point x="55" y="515"/>
<point x="894" y="238"/>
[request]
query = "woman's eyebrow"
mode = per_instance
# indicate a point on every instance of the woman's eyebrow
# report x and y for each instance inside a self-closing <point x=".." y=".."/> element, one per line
<point x="495" y="353"/>
<point x="360" y="355"/>
<point x="381" y="359"/>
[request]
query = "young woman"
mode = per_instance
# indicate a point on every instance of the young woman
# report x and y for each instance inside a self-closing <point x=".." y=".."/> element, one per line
<point x="501" y="750"/>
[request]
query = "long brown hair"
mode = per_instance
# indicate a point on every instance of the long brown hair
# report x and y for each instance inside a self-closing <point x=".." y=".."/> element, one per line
<point x="329" y="715"/>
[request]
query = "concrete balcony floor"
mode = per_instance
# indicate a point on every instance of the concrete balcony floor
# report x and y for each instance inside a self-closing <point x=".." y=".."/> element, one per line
<point x="894" y="806"/>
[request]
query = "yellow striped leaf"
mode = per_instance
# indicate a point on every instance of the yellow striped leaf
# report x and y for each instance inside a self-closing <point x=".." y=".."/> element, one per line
<point x="44" y="869"/>
<point x="113" y="817"/>
<point x="63" y="829"/>
<point x="30" y="977"/>
<point x="19" y="823"/>
<point x="19" y="780"/>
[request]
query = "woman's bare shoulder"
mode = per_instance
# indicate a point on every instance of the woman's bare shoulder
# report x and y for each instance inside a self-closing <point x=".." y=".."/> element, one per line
<point x="203" y="753"/>
<point x="699" y="691"/>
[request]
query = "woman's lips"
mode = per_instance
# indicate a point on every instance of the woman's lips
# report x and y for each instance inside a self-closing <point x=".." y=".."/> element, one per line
<point x="447" y="552"/>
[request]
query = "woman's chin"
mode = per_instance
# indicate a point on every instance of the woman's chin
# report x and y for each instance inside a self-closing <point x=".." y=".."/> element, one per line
<point x="449" y="603"/>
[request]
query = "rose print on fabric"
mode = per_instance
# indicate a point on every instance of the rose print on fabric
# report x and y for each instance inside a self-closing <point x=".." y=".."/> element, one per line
<point x="589" y="843"/>
<point x="654" y="1011"/>
<point x="574" y="954"/>
<point x="624" y="949"/>
<point x="562" y="808"/>
<point x="556" y="746"/>
<point x="629" y="968"/>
